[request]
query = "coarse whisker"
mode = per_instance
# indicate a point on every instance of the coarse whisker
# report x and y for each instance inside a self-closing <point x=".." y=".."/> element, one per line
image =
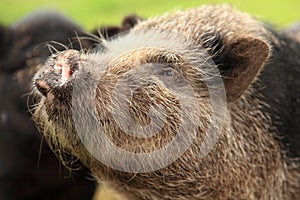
<point x="51" y="47"/>
<point x="28" y="94"/>
<point x="60" y="44"/>
<point x="101" y="36"/>
<point x="40" y="152"/>
<point x="44" y="44"/>
<point x="93" y="37"/>
<point x="79" y="40"/>
<point x="104" y="34"/>
<point x="31" y="107"/>
<point x="70" y="43"/>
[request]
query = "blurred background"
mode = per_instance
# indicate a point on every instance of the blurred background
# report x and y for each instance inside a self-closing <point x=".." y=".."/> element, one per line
<point x="91" y="13"/>
<point x="28" y="169"/>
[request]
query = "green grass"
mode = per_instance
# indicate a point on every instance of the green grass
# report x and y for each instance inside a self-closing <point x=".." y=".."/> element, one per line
<point x="91" y="13"/>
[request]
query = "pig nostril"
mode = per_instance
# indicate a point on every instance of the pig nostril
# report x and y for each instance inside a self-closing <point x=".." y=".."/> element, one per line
<point x="66" y="72"/>
<point x="42" y="87"/>
<point x="67" y="64"/>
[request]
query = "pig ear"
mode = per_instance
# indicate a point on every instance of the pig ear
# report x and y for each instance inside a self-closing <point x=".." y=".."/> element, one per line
<point x="241" y="63"/>
<point x="130" y="21"/>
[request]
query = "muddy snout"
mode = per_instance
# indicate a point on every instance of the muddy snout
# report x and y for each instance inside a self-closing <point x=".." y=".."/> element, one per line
<point x="58" y="73"/>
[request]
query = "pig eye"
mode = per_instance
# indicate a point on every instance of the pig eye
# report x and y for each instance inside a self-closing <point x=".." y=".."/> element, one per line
<point x="167" y="73"/>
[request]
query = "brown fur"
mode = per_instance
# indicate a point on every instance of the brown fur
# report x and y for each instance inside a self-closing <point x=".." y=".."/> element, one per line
<point x="248" y="160"/>
<point x="24" y="174"/>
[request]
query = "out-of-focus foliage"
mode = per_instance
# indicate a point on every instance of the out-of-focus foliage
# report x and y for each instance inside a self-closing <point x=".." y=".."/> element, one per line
<point x="91" y="13"/>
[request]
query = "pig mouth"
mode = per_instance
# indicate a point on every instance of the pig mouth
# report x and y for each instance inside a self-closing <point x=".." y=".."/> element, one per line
<point x="44" y="89"/>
